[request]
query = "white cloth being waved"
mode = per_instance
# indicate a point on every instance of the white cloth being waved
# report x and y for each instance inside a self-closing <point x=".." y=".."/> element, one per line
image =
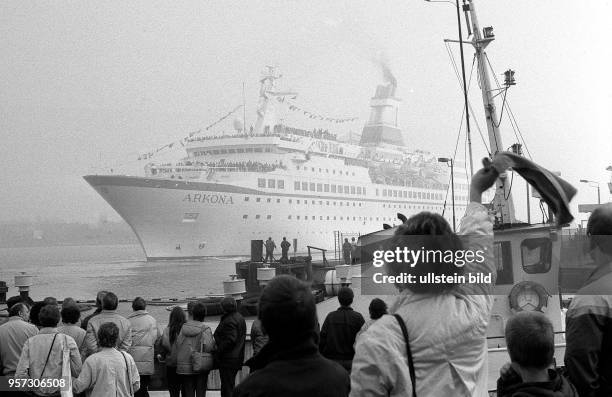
<point x="447" y="333"/>
<point x="104" y="374"/>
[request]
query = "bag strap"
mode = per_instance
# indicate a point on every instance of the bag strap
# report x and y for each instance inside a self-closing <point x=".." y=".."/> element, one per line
<point x="127" y="369"/>
<point x="48" y="354"/>
<point x="408" y="353"/>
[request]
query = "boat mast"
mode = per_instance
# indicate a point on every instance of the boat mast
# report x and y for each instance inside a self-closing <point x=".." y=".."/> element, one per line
<point x="503" y="200"/>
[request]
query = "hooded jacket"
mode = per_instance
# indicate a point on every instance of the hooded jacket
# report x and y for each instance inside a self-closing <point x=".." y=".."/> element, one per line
<point x="557" y="386"/>
<point x="193" y="334"/>
<point x="144" y="336"/>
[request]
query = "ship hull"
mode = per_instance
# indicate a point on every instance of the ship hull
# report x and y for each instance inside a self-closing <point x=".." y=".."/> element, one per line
<point x="188" y="220"/>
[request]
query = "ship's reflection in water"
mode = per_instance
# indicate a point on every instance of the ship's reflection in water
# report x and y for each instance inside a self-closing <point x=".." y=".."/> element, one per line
<point x="81" y="271"/>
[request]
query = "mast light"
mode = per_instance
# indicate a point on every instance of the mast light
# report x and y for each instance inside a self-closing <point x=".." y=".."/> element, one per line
<point x="488" y="32"/>
<point x="509" y="78"/>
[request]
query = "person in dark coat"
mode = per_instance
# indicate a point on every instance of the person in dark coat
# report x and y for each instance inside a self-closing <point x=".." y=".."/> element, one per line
<point x="588" y="329"/>
<point x="531" y="345"/>
<point x="285" y="250"/>
<point x="230" y="337"/>
<point x="290" y="363"/>
<point x="340" y="329"/>
<point x="269" y="249"/>
<point x="99" y="298"/>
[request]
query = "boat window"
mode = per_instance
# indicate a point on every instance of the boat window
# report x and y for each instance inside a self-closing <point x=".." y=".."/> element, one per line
<point x="346" y="189"/>
<point x="364" y="191"/>
<point x="231" y="150"/>
<point x="271" y="183"/>
<point x="269" y="217"/>
<point x="289" y="217"/>
<point x="257" y="150"/>
<point x="296" y="186"/>
<point x="312" y="186"/>
<point x="319" y="187"/>
<point x="278" y="200"/>
<point x="261" y="182"/>
<point x="215" y="152"/>
<point x="326" y="188"/>
<point x="384" y="192"/>
<point x="249" y="150"/>
<point x="268" y="150"/>
<point x="257" y="216"/>
<point x="245" y="216"/>
<point x="358" y="189"/>
<point x="239" y="150"/>
<point x="246" y="198"/>
<point x="280" y="184"/>
<point x="223" y="151"/>
<point x="503" y="261"/>
<point x="304" y="185"/>
<point x="352" y="189"/>
<point x="269" y="200"/>
<point x="333" y="188"/>
<point x="258" y="199"/>
<point x="536" y="254"/>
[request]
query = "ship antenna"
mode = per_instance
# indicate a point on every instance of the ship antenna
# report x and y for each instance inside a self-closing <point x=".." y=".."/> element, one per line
<point x="480" y="40"/>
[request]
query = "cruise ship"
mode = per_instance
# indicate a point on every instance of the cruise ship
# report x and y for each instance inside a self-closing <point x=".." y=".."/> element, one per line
<point x="275" y="180"/>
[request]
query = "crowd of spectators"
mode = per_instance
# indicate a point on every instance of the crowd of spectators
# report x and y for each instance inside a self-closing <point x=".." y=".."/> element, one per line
<point x="434" y="342"/>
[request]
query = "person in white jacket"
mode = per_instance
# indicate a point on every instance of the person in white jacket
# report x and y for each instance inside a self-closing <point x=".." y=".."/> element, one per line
<point x="109" y="372"/>
<point x="446" y="323"/>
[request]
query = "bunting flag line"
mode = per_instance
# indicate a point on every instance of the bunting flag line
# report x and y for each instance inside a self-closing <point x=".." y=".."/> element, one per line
<point x="148" y="155"/>
<point x="312" y="115"/>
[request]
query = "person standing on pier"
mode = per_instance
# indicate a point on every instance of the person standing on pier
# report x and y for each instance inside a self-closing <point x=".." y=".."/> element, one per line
<point x="435" y="344"/>
<point x="194" y="336"/>
<point x="230" y="337"/>
<point x="346" y="251"/>
<point x="290" y="363"/>
<point x="145" y="335"/>
<point x="99" y="297"/>
<point x="13" y="334"/>
<point x="285" y="250"/>
<point x="270" y="246"/>
<point x="340" y="329"/>
<point x="108" y="372"/>
<point x="108" y="314"/>
<point x="588" y="330"/>
<point x="43" y="356"/>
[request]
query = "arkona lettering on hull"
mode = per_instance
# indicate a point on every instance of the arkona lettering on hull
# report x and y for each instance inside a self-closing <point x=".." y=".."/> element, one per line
<point x="208" y="198"/>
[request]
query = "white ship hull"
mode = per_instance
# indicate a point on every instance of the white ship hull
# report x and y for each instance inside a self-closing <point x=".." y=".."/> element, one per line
<point x="182" y="220"/>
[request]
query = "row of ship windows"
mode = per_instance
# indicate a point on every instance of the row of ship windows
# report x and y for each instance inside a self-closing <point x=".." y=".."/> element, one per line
<point x="238" y="150"/>
<point x="331" y="218"/>
<point x="313" y="202"/>
<point x="327" y="188"/>
<point x="340" y="172"/>
<point x="348" y="204"/>
<point x="331" y="188"/>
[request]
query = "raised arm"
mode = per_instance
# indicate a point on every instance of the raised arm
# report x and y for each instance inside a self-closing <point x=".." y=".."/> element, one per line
<point x="476" y="229"/>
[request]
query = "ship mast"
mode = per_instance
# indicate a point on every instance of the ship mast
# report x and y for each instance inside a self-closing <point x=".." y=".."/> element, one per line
<point x="503" y="200"/>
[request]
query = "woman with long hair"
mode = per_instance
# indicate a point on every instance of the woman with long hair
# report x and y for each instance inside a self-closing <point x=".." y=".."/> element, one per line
<point x="175" y="323"/>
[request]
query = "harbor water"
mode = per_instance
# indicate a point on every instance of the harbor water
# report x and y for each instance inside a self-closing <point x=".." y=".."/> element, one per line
<point x="80" y="271"/>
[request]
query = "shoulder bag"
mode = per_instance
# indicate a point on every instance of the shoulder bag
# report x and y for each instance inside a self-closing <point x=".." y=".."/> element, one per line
<point x="408" y="353"/>
<point x="201" y="360"/>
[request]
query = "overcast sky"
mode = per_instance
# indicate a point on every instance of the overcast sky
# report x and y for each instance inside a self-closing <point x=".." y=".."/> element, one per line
<point x="88" y="84"/>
